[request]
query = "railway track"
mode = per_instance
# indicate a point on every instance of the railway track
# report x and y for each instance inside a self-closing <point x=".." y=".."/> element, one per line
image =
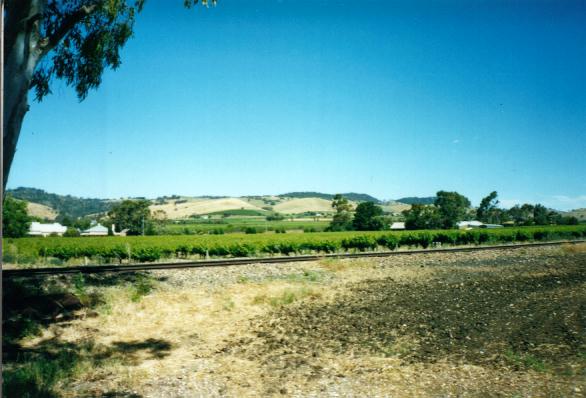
<point x="92" y="269"/>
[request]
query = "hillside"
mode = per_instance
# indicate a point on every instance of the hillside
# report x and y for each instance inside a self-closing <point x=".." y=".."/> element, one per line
<point x="353" y="196"/>
<point x="198" y="206"/>
<point x="580" y="214"/>
<point x="62" y="204"/>
<point x="303" y="205"/>
<point x="393" y="206"/>
<point x="41" y="211"/>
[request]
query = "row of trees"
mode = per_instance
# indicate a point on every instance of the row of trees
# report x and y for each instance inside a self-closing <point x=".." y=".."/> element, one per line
<point x="447" y="209"/>
<point x="451" y="207"/>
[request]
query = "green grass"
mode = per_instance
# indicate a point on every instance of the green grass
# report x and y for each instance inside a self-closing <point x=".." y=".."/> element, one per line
<point x="525" y="361"/>
<point x="39" y="376"/>
<point x="239" y="224"/>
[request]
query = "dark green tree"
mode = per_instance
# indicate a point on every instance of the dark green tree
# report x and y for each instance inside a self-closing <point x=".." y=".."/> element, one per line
<point x="342" y="220"/>
<point x="452" y="207"/>
<point x="73" y="40"/>
<point x="540" y="215"/>
<point x="368" y="217"/>
<point x="82" y="223"/>
<point x="422" y="217"/>
<point x="15" y="220"/>
<point x="487" y="210"/>
<point x="133" y="215"/>
<point x="71" y="233"/>
<point x="522" y="215"/>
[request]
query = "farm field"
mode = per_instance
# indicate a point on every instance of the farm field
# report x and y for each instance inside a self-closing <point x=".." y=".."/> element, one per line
<point x="239" y="224"/>
<point x="499" y="323"/>
<point x="27" y="252"/>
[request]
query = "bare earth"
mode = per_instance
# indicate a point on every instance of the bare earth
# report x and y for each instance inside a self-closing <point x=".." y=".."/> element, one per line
<point x="494" y="323"/>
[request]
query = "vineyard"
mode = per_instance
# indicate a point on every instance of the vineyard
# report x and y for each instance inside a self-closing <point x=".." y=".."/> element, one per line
<point x="58" y="250"/>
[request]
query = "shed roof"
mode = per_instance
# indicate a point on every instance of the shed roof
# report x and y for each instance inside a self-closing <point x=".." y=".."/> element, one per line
<point x="37" y="227"/>
<point x="97" y="228"/>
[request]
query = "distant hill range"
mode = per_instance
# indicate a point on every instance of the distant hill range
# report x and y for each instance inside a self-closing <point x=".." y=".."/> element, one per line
<point x="414" y="200"/>
<point x="353" y="196"/>
<point x="63" y="204"/>
<point x="580" y="214"/>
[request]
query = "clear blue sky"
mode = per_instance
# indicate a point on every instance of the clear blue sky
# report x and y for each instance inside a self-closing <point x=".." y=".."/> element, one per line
<point x="388" y="98"/>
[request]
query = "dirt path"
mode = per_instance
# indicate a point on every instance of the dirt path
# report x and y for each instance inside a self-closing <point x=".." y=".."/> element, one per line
<point x="502" y="323"/>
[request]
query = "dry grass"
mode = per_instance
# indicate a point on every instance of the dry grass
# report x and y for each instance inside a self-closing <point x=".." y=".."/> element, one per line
<point x="202" y="206"/>
<point x="204" y="340"/>
<point x="296" y="206"/>
<point x="41" y="211"/>
<point x="574" y="248"/>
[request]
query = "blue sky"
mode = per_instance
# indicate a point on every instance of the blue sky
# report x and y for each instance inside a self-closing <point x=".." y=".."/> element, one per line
<point x="388" y="98"/>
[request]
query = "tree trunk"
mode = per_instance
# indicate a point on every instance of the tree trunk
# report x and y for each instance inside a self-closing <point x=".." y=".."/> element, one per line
<point x="22" y="53"/>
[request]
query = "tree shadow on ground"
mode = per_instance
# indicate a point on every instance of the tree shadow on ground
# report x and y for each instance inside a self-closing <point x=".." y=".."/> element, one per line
<point x="35" y="371"/>
<point x="32" y="304"/>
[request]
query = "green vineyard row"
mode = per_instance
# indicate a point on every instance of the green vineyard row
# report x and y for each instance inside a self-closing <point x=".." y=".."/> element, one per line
<point x="153" y="248"/>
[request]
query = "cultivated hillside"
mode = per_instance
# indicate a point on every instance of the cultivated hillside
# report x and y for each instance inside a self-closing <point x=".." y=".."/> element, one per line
<point x="198" y="206"/>
<point x="297" y="206"/>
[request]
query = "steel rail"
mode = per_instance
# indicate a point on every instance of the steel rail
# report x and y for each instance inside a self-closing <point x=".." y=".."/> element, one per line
<point x="91" y="269"/>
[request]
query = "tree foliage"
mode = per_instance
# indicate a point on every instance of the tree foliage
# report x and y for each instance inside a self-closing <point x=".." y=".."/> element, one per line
<point x="342" y="220"/>
<point x="368" y="217"/>
<point x="133" y="215"/>
<point x="452" y="207"/>
<point x="15" y="219"/>
<point x="422" y="217"/>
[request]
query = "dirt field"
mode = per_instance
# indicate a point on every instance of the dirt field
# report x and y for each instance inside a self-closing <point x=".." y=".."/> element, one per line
<point x="498" y="323"/>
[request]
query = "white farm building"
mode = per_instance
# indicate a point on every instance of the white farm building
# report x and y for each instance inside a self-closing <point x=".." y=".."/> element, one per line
<point x="38" y="229"/>
<point x="396" y="226"/>
<point x="96" y="230"/>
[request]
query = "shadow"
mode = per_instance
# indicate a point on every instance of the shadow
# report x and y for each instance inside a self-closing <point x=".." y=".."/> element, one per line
<point x="118" y="278"/>
<point x="156" y="348"/>
<point x="32" y="304"/>
<point x="35" y="371"/>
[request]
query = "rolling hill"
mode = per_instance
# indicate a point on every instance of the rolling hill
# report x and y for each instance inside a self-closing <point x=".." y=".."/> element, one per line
<point x="352" y="196"/>
<point x="303" y="205"/>
<point x="68" y="205"/>
<point x="199" y="206"/>
<point x="41" y="211"/>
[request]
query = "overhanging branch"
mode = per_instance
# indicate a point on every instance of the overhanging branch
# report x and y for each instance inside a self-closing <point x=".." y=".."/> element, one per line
<point x="69" y="21"/>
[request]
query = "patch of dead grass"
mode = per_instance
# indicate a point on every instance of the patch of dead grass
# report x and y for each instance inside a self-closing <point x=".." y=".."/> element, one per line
<point x="574" y="248"/>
